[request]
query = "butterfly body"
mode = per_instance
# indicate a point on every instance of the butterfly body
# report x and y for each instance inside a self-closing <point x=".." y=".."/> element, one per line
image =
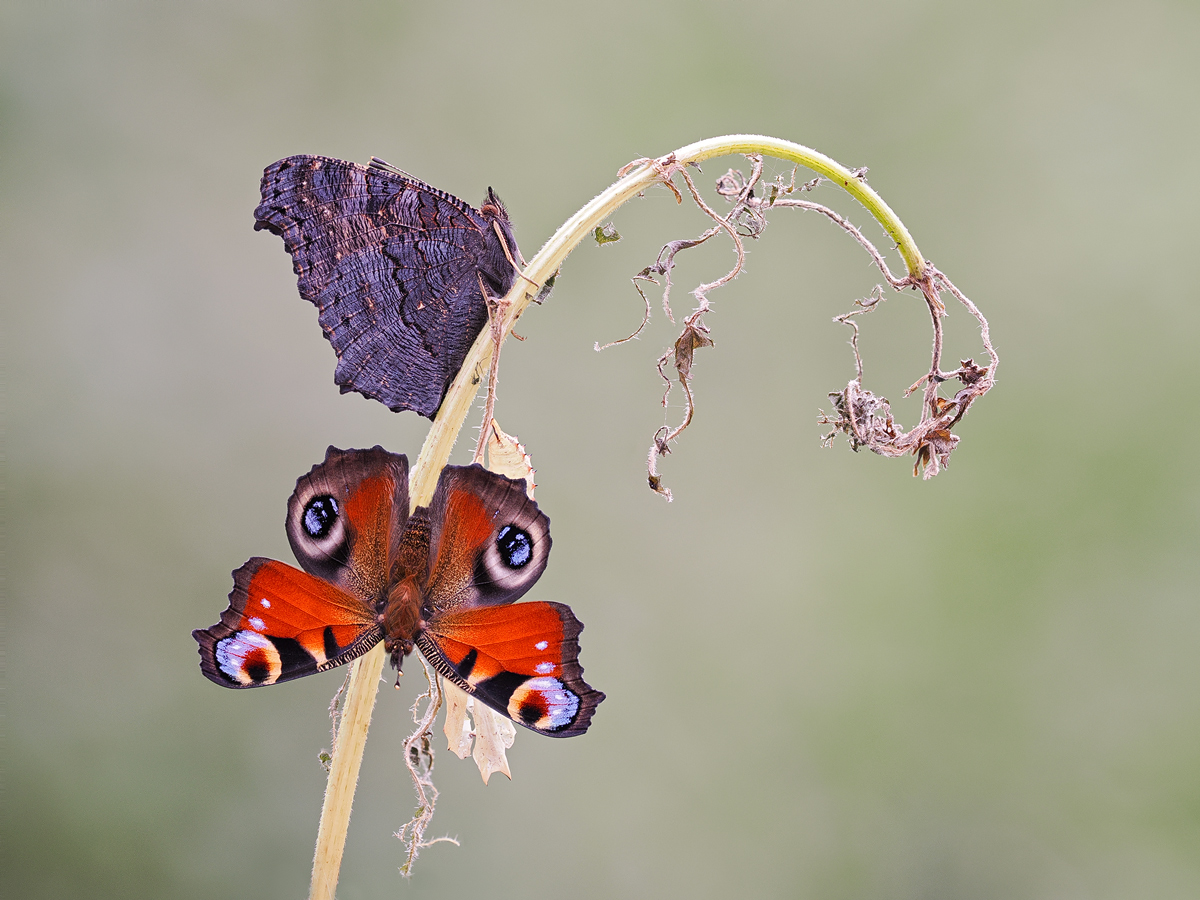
<point x="396" y="268"/>
<point x="442" y="579"/>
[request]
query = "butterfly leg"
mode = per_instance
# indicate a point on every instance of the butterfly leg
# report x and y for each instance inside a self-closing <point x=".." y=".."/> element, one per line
<point x="508" y="255"/>
<point x="398" y="650"/>
<point x="497" y="307"/>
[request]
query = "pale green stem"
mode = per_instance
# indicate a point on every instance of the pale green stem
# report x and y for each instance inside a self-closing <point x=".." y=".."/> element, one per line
<point x="435" y="453"/>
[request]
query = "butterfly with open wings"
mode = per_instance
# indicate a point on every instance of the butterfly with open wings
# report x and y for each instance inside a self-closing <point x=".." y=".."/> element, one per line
<point x="442" y="580"/>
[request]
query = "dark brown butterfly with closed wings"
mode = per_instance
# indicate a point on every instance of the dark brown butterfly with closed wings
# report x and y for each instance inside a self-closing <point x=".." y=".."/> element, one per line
<point x="396" y="268"/>
<point x="442" y="579"/>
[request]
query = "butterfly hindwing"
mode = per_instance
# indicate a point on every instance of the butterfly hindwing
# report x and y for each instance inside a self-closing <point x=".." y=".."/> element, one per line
<point x="521" y="660"/>
<point x="346" y="517"/>
<point x="394" y="267"/>
<point x="489" y="541"/>
<point x="282" y="623"/>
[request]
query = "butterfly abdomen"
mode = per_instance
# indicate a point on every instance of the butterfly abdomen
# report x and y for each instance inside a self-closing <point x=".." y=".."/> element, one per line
<point x="402" y="619"/>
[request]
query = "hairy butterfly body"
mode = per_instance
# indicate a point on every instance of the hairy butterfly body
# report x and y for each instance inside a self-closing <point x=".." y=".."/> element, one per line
<point x="442" y="579"/>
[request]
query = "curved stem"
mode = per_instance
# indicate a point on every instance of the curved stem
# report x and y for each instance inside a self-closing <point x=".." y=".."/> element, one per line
<point x="435" y="452"/>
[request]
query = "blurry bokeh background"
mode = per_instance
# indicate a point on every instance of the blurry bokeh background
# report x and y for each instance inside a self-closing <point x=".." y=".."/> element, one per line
<point x="825" y="678"/>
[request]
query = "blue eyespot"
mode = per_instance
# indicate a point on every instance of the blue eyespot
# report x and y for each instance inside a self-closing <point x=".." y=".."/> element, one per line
<point x="319" y="516"/>
<point x="515" y="546"/>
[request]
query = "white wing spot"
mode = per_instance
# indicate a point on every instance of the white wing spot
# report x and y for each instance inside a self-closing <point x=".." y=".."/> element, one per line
<point x="541" y="645"/>
<point x="544" y="668"/>
<point x="257" y="624"/>
<point x="266" y="604"/>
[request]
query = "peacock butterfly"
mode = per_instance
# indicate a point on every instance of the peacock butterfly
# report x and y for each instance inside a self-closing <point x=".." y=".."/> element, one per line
<point x="442" y="579"/>
<point x="397" y="269"/>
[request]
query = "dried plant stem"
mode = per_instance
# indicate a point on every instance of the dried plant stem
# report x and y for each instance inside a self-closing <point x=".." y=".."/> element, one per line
<point x="637" y="177"/>
<point x="343" y="773"/>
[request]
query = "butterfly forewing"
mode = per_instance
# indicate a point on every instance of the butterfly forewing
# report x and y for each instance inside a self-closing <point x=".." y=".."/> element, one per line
<point x="490" y="542"/>
<point x="394" y="267"/>
<point x="346" y="517"/>
<point x="345" y="521"/>
<point x="282" y="624"/>
<point x="521" y="660"/>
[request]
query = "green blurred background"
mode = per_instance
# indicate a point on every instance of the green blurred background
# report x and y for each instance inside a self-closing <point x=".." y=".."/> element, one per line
<point x="825" y="678"/>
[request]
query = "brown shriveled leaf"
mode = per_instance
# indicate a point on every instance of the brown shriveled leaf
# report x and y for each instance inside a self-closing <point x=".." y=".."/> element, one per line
<point x="691" y="340"/>
<point x="933" y="453"/>
<point x="458" y="725"/>
<point x="969" y="373"/>
<point x="866" y="420"/>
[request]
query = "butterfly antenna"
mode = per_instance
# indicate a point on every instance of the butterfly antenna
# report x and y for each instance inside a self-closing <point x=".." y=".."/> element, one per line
<point x="383" y="166"/>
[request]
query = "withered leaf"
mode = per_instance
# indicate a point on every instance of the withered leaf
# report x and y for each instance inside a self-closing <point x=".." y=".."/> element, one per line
<point x="507" y="456"/>
<point x="458" y="724"/>
<point x="969" y="373"/>
<point x="686" y="345"/>
<point x="493" y="735"/>
<point x="933" y="453"/>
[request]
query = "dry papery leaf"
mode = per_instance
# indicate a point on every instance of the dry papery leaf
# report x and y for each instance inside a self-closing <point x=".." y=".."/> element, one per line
<point x="507" y="456"/>
<point x="458" y="723"/>
<point x="492" y="733"/>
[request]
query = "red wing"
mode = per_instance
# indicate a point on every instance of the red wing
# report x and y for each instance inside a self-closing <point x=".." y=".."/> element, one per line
<point x="346" y="517"/>
<point x="522" y="661"/>
<point x="489" y="541"/>
<point x="282" y="624"/>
